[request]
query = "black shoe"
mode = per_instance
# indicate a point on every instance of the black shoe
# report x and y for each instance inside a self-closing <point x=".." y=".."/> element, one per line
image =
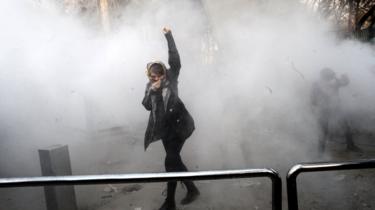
<point x="190" y="197"/>
<point x="354" y="148"/>
<point x="168" y="206"/>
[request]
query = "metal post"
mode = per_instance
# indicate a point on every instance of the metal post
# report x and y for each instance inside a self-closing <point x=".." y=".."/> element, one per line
<point x="276" y="190"/>
<point x="55" y="161"/>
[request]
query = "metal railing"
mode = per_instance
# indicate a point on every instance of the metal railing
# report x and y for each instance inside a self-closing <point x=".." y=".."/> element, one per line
<point x="151" y="177"/>
<point x="291" y="179"/>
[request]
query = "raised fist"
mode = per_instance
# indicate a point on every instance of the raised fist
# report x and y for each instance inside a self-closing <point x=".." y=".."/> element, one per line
<point x="166" y="30"/>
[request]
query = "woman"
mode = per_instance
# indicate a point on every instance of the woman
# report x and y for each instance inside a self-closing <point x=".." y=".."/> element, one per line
<point x="169" y="120"/>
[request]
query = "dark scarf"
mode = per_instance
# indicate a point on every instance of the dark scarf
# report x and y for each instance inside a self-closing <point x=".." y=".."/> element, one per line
<point x="159" y="106"/>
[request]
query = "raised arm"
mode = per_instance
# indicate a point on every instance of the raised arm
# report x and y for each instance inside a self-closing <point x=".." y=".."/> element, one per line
<point x="343" y="81"/>
<point x="173" y="56"/>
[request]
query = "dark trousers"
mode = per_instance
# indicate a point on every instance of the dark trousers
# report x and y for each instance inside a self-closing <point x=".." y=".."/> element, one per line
<point x="326" y="133"/>
<point x="173" y="163"/>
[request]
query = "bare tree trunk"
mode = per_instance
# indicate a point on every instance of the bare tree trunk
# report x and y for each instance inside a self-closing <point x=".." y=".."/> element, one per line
<point x="356" y="14"/>
<point x="365" y="17"/>
<point x="104" y="14"/>
<point x="350" y="16"/>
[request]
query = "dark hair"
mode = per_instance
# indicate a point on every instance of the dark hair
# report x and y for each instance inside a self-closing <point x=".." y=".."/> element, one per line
<point x="157" y="69"/>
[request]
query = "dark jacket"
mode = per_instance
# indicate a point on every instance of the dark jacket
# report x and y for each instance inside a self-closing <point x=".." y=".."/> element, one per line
<point x="168" y="115"/>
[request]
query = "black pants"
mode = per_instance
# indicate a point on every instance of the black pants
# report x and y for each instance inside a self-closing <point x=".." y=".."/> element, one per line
<point x="173" y="163"/>
<point x="173" y="146"/>
<point x="326" y="133"/>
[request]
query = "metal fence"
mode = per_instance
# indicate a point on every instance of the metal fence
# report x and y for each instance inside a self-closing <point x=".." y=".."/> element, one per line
<point x="293" y="173"/>
<point x="151" y="177"/>
<point x="291" y="179"/>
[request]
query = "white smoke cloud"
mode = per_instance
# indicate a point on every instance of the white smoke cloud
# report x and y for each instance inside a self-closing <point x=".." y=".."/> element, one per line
<point x="61" y="77"/>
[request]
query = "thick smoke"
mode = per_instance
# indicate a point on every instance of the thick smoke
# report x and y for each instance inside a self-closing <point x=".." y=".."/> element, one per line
<point x="247" y="71"/>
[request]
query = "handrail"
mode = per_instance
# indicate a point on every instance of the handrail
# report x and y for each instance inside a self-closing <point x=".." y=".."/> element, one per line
<point x="291" y="179"/>
<point x="151" y="177"/>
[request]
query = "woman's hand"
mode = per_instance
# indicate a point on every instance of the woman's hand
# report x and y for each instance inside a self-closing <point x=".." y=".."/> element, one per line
<point x="156" y="85"/>
<point x="166" y="30"/>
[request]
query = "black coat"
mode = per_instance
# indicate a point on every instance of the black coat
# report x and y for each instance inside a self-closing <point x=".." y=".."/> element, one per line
<point x="168" y="114"/>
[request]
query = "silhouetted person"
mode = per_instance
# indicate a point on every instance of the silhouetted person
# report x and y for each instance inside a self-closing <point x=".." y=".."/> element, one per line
<point x="325" y="100"/>
<point x="169" y="119"/>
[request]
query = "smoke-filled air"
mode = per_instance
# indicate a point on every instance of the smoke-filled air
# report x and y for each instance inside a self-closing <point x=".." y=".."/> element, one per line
<point x="76" y="76"/>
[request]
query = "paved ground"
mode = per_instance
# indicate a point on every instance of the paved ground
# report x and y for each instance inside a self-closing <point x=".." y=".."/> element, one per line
<point x="124" y="154"/>
<point x="327" y="190"/>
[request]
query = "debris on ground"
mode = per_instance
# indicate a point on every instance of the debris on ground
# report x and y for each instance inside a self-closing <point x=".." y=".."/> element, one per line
<point x="110" y="189"/>
<point x="340" y="177"/>
<point x="106" y="196"/>
<point x="131" y="188"/>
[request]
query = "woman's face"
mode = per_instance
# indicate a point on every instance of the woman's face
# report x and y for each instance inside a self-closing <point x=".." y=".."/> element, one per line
<point x="154" y="77"/>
